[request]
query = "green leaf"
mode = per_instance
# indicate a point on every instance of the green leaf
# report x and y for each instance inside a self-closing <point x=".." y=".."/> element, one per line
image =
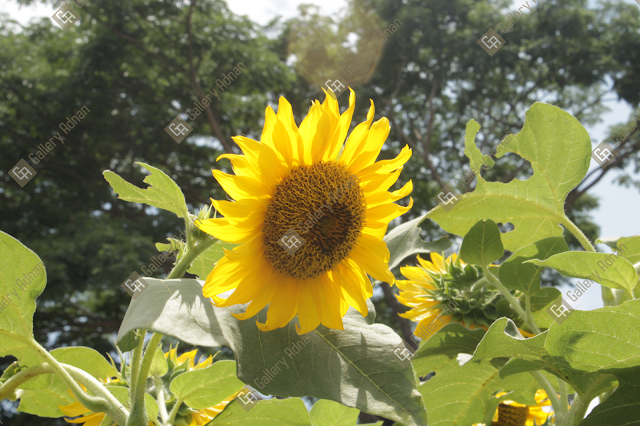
<point x="330" y="413"/>
<point x="370" y="378"/>
<point x="207" y="387"/>
<point x="627" y="247"/>
<point x="404" y="241"/>
<point x="162" y="192"/>
<point x="86" y="359"/>
<point x="559" y="150"/>
<point x="541" y="300"/>
<point x="204" y="263"/>
<point x="176" y="308"/>
<point x="159" y="366"/>
<point x="354" y="366"/>
<point x="19" y="287"/>
<point x="622" y="407"/>
<point x="525" y="277"/>
<point x="482" y="245"/>
<point x="274" y="412"/>
<point x="461" y="396"/>
<point x="621" y="274"/>
<point x="44" y="402"/>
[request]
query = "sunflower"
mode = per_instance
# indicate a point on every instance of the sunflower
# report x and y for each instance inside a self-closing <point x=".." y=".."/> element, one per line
<point x="442" y="291"/>
<point x="510" y="413"/>
<point x="309" y="214"/>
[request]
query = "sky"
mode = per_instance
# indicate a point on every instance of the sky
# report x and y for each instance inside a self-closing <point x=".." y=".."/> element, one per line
<point x="617" y="214"/>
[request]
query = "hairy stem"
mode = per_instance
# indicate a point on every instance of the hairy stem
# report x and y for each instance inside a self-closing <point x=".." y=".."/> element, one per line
<point x="559" y="407"/>
<point x="571" y="227"/>
<point x="139" y="415"/>
<point x="190" y="254"/>
<point x="512" y="300"/>
<point x="581" y="404"/>
<point x="160" y="398"/>
<point x="6" y="390"/>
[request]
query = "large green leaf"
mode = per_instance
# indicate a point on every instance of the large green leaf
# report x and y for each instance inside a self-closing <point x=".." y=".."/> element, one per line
<point x="361" y="354"/>
<point x="19" y="287"/>
<point x="86" y="359"/>
<point x="404" y="241"/>
<point x="558" y="148"/>
<point x="463" y="395"/>
<point x="162" y="192"/>
<point x="620" y="274"/>
<point x="275" y="412"/>
<point x="331" y="413"/>
<point x="44" y="402"/>
<point x="482" y="245"/>
<point x="176" y="308"/>
<point x="622" y="407"/>
<point x="355" y="366"/>
<point x="205" y="262"/>
<point x="627" y="247"/>
<point x="207" y="387"/>
<point x="525" y="277"/>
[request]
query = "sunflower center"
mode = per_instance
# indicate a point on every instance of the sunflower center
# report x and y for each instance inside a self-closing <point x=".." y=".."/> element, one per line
<point x="508" y="415"/>
<point x="314" y="220"/>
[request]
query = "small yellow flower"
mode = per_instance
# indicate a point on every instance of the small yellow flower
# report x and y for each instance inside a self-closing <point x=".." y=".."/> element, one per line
<point x="510" y="413"/>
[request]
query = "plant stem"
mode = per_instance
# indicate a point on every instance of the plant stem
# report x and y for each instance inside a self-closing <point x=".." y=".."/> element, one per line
<point x="174" y="411"/>
<point x="190" y="254"/>
<point x="10" y="385"/>
<point x="135" y="361"/>
<point x="571" y="227"/>
<point x="512" y="300"/>
<point x="162" y="407"/>
<point x="579" y="408"/>
<point x="558" y="407"/>
<point x="139" y="415"/>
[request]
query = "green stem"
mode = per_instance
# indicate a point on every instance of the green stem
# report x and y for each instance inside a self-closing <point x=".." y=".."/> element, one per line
<point x="564" y="397"/>
<point x="190" y="254"/>
<point x="579" y="408"/>
<point x="558" y="406"/>
<point x="135" y="361"/>
<point x="162" y="407"/>
<point x="571" y="227"/>
<point x="512" y="300"/>
<point x="139" y="415"/>
<point x="174" y="412"/>
<point x="8" y="387"/>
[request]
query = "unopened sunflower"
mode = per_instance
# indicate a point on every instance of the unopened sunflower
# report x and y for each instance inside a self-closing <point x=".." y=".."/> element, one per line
<point x="310" y="213"/>
<point x="442" y="291"/>
<point x="510" y="413"/>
